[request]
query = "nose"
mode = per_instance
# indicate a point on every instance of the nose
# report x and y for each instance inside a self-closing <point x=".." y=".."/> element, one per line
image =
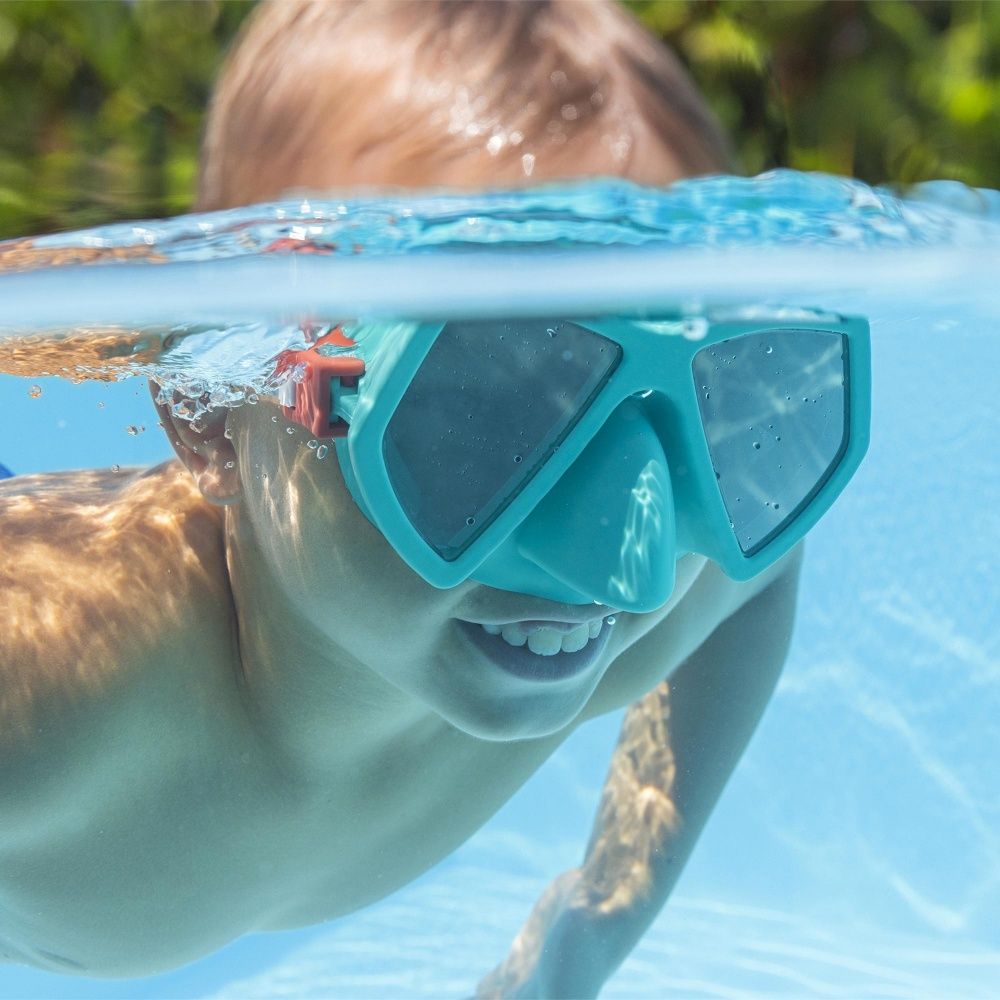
<point x="606" y="532"/>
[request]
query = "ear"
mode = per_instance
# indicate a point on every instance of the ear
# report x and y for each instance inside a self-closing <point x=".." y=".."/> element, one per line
<point x="204" y="449"/>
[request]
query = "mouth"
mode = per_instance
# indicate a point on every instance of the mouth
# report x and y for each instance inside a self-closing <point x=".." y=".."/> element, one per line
<point x="540" y="650"/>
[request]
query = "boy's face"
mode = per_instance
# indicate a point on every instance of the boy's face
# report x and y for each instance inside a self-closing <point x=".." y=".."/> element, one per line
<point x="308" y="552"/>
<point x="304" y="551"/>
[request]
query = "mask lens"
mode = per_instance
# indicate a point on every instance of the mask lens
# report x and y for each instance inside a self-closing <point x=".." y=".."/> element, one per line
<point x="484" y="412"/>
<point x="774" y="407"/>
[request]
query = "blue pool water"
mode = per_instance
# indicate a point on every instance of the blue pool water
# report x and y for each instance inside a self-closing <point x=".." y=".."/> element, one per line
<point x="856" y="850"/>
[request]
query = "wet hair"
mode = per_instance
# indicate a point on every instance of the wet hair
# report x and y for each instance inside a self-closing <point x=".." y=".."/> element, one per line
<point x="448" y="93"/>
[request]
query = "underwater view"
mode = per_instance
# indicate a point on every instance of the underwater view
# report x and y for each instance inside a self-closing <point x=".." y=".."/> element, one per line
<point x="854" y="851"/>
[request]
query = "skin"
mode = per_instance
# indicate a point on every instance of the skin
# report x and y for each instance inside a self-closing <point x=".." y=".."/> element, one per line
<point x="227" y="705"/>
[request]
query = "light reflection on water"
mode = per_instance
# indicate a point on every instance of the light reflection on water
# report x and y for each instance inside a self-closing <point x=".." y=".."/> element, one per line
<point x="856" y="850"/>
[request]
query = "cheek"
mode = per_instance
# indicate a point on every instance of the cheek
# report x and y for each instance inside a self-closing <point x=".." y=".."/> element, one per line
<point x="357" y="585"/>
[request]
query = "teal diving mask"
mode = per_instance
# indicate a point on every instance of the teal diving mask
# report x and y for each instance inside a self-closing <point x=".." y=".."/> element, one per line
<point x="578" y="459"/>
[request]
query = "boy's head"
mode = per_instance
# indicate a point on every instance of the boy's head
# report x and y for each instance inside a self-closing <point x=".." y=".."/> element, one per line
<point x="469" y="94"/>
<point x="449" y="93"/>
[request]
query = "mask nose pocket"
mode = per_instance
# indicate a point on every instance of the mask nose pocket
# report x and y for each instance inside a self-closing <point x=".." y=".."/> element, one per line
<point x="608" y="527"/>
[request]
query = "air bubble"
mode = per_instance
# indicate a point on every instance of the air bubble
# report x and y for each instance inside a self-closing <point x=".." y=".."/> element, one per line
<point x="289" y="430"/>
<point x="756" y="446"/>
<point x="230" y="465"/>
<point x="770" y="350"/>
<point x="116" y="468"/>
<point x="100" y="406"/>
<point x="322" y="451"/>
<point x="313" y="445"/>
<point x="470" y="521"/>
<point x="35" y="391"/>
<point x="134" y="431"/>
<point x="518" y="459"/>
<point x="694" y="328"/>
<point x="274" y="420"/>
<point x="227" y="434"/>
<point x="253" y="399"/>
<point x="551" y="332"/>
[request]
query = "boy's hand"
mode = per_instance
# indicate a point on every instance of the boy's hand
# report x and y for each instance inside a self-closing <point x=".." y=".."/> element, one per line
<point x="558" y="952"/>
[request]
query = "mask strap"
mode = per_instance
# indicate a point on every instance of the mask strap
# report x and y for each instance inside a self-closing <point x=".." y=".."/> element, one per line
<point x="312" y="401"/>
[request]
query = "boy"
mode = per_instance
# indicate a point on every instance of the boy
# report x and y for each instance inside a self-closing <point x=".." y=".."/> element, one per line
<point x="227" y="703"/>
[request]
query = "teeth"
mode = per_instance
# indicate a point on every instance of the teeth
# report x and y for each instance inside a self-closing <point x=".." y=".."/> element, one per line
<point x="544" y="642"/>
<point x="575" y="640"/>
<point x="548" y="641"/>
<point x="513" y="635"/>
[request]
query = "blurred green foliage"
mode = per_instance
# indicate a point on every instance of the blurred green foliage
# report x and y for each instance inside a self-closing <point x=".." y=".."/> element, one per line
<point x="101" y="105"/>
<point x="891" y="91"/>
<point x="101" y="102"/>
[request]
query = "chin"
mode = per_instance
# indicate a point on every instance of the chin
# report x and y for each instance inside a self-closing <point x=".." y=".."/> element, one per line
<point x="506" y="722"/>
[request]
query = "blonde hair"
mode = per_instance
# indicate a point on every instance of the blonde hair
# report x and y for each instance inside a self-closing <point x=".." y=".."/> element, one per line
<point x="448" y="92"/>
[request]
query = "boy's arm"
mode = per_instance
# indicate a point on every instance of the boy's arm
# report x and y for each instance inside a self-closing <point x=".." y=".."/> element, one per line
<point x="677" y="748"/>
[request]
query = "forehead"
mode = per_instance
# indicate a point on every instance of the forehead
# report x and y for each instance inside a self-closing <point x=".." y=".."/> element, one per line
<point x="630" y="152"/>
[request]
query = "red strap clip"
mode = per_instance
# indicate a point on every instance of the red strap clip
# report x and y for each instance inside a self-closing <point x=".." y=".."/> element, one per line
<point x="308" y="402"/>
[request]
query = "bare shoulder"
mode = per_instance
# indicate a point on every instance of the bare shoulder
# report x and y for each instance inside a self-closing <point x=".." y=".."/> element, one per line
<point x="103" y="578"/>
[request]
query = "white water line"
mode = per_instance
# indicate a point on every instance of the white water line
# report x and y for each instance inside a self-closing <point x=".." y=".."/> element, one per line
<point x="487" y="282"/>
